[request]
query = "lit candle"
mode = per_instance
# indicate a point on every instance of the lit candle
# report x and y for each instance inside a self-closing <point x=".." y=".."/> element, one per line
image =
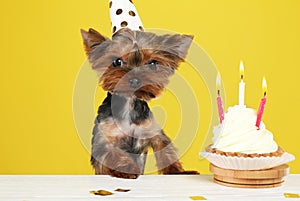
<point x="262" y="103"/>
<point x="219" y="99"/>
<point x="242" y="85"/>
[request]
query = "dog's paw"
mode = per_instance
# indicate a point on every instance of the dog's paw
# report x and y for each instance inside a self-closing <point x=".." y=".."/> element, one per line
<point x="190" y="172"/>
<point x="128" y="171"/>
<point x="124" y="175"/>
<point x="184" y="172"/>
<point x="176" y="168"/>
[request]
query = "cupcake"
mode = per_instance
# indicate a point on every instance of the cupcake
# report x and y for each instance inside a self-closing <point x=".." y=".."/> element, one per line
<point x="239" y="145"/>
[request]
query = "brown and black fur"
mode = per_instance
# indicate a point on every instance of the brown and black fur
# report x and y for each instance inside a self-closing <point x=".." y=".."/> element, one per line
<point x="133" y="67"/>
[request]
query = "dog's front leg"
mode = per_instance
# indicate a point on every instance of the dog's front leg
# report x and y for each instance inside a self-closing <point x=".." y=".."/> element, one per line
<point x="166" y="156"/>
<point x="110" y="160"/>
<point x="167" y="160"/>
<point x="118" y="164"/>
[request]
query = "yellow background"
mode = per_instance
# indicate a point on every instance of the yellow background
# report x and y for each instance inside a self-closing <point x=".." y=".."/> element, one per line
<point x="41" y="54"/>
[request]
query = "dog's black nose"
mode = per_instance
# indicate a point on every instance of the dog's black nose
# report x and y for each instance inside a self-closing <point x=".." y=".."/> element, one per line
<point x="135" y="83"/>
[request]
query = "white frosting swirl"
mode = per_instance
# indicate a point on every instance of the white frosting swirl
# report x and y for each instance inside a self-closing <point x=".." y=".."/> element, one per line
<point x="238" y="133"/>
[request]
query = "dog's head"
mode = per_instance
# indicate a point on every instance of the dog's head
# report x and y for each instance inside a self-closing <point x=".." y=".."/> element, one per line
<point x="134" y="63"/>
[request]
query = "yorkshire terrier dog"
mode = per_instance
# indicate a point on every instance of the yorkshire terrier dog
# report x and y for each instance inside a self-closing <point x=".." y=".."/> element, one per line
<point x="133" y="67"/>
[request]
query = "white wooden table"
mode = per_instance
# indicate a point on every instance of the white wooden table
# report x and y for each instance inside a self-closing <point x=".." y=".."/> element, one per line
<point x="148" y="187"/>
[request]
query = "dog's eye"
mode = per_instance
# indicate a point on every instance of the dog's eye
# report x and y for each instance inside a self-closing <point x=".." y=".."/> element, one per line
<point x="118" y="62"/>
<point x="152" y="65"/>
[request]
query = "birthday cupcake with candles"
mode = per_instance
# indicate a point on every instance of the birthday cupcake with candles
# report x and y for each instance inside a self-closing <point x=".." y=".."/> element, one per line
<point x="241" y="141"/>
<point x="243" y="152"/>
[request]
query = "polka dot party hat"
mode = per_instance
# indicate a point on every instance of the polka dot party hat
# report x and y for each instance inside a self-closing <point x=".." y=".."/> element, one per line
<point x="123" y="14"/>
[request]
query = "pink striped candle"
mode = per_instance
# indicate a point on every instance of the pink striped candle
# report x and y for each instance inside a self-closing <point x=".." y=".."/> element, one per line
<point x="262" y="104"/>
<point x="220" y="107"/>
<point x="219" y="99"/>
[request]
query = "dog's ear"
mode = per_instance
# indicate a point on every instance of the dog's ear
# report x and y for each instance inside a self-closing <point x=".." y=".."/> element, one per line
<point x="178" y="44"/>
<point x="91" y="39"/>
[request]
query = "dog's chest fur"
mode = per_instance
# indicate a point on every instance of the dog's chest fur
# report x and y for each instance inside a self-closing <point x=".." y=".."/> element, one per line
<point x="126" y="123"/>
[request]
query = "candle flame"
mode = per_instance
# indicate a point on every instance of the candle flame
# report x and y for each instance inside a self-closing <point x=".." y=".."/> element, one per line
<point x="218" y="82"/>
<point x="242" y="70"/>
<point x="264" y="86"/>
